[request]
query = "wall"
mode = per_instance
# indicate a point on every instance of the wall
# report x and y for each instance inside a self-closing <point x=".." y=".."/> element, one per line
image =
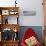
<point x="32" y="5"/>
<point x="27" y="5"/>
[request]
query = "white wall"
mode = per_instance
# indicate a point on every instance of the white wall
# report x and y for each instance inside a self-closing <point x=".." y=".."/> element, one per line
<point x="6" y="3"/>
<point x="35" y="5"/>
<point x="27" y="5"/>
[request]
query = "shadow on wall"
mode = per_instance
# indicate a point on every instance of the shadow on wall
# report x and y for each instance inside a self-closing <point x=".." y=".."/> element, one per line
<point x="37" y="29"/>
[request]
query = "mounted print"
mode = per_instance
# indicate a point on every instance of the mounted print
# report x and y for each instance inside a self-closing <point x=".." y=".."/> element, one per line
<point x="29" y="13"/>
<point x="5" y="12"/>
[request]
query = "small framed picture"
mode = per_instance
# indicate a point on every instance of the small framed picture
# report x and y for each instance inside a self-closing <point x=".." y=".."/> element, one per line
<point x="5" y="12"/>
<point x="11" y="13"/>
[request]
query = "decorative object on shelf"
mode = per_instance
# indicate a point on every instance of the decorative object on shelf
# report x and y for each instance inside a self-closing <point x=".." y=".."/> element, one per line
<point x="15" y="3"/>
<point x="6" y="21"/>
<point x="13" y="12"/>
<point x="15" y="37"/>
<point x="5" y="12"/>
<point x="15" y="34"/>
<point x="15" y="30"/>
<point x="7" y="34"/>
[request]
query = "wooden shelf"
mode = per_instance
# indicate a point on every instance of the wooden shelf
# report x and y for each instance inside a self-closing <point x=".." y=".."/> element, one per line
<point x="9" y="43"/>
<point x="10" y="26"/>
<point x="4" y="24"/>
<point x="9" y="8"/>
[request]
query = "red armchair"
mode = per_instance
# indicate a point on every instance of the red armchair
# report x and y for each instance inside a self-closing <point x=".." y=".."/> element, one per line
<point x="29" y="33"/>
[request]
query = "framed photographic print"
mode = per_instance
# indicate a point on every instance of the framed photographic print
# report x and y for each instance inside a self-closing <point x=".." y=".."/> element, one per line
<point x="5" y="12"/>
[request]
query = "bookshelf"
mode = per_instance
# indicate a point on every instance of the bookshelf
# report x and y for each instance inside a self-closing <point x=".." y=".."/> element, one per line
<point x="9" y="23"/>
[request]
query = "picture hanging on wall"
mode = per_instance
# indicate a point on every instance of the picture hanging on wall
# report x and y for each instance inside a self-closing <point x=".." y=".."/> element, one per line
<point x="29" y="13"/>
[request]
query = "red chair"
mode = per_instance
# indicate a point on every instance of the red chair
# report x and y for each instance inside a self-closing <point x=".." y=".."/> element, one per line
<point x="29" y="33"/>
